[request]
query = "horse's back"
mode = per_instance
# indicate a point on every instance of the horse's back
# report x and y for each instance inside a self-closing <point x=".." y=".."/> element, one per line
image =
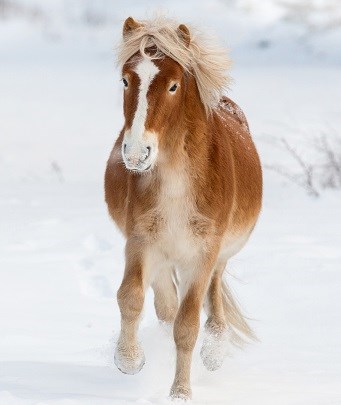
<point x="229" y="106"/>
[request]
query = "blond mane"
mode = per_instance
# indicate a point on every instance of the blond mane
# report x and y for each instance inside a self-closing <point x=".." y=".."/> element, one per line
<point x="205" y="59"/>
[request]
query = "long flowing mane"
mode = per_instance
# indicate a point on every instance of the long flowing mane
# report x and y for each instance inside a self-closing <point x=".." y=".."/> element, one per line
<point x="203" y="57"/>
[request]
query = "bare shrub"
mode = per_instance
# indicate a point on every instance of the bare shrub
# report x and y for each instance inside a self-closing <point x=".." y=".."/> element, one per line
<point x="303" y="177"/>
<point x="321" y="171"/>
<point x="329" y="169"/>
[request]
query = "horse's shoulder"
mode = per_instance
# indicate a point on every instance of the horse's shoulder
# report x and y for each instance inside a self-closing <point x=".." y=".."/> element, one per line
<point x="116" y="185"/>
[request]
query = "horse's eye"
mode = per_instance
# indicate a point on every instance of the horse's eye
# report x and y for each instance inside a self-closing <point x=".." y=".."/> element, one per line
<point x="173" y="88"/>
<point x="125" y="82"/>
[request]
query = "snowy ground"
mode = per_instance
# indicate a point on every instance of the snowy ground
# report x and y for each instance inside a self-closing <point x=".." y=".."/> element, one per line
<point x="61" y="258"/>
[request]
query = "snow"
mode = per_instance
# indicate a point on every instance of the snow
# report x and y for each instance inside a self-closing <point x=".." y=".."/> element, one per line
<point x="61" y="258"/>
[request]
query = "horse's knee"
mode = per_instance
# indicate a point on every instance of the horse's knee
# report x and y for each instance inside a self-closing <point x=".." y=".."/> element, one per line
<point x="186" y="327"/>
<point x="185" y="335"/>
<point x="130" y="298"/>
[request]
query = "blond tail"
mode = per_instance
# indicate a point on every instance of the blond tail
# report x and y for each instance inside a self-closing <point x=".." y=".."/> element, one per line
<point x="240" y="331"/>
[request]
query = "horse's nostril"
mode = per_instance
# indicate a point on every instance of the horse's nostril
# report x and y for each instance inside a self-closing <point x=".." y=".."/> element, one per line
<point x="125" y="148"/>
<point x="145" y="156"/>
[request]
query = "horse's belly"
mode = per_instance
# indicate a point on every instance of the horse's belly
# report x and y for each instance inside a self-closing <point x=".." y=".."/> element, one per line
<point x="232" y="244"/>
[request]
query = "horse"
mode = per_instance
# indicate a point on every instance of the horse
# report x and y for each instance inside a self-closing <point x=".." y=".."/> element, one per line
<point x="183" y="183"/>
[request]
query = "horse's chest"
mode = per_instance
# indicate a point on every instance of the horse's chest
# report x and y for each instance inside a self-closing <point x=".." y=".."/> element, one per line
<point x="175" y="239"/>
<point x="181" y="230"/>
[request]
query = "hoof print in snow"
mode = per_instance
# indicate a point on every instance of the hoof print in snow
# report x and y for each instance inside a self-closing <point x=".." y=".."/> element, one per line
<point x="129" y="360"/>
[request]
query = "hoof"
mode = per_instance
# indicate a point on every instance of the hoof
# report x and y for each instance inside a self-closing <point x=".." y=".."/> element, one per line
<point x="129" y="360"/>
<point x="214" y="350"/>
<point x="180" y="393"/>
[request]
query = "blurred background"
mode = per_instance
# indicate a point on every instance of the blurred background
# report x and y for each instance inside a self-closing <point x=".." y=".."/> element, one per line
<point x="61" y="258"/>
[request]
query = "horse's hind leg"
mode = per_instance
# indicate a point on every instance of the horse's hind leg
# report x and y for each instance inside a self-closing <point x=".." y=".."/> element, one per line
<point x="225" y="322"/>
<point x="214" y="347"/>
<point x="165" y="295"/>
<point x="214" y="304"/>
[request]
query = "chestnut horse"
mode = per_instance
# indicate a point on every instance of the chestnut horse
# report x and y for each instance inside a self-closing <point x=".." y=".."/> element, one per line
<point x="184" y="185"/>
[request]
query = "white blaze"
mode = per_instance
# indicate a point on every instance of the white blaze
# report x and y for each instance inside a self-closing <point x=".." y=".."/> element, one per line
<point x="146" y="70"/>
<point x="139" y="148"/>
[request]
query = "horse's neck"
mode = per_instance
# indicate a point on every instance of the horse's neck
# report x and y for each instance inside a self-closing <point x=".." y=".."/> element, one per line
<point x="185" y="150"/>
<point x="182" y="163"/>
<point x="198" y="140"/>
<point x="174" y="179"/>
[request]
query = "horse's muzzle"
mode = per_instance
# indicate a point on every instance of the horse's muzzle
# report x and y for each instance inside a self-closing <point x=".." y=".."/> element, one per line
<point x="137" y="159"/>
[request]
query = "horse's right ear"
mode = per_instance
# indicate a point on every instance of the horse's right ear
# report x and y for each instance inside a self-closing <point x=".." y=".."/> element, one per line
<point x="130" y="25"/>
<point x="184" y="34"/>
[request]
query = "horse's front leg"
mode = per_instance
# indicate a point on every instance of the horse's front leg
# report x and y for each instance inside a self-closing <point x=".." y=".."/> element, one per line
<point x="186" y="326"/>
<point x="129" y="356"/>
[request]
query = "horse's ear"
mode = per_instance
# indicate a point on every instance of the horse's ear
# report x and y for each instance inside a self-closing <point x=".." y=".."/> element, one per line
<point x="184" y="34"/>
<point x="130" y="25"/>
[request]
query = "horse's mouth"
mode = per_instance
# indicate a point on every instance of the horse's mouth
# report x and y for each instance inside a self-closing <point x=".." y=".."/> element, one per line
<point x="141" y="171"/>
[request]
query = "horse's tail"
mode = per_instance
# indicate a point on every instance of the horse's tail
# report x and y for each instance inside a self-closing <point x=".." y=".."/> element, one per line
<point x="239" y="330"/>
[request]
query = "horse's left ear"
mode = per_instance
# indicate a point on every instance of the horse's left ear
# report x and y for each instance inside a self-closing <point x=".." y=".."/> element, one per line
<point x="130" y="25"/>
<point x="184" y="34"/>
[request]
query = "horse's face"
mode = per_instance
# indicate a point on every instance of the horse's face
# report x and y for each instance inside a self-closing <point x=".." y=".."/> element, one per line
<point x="153" y="102"/>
